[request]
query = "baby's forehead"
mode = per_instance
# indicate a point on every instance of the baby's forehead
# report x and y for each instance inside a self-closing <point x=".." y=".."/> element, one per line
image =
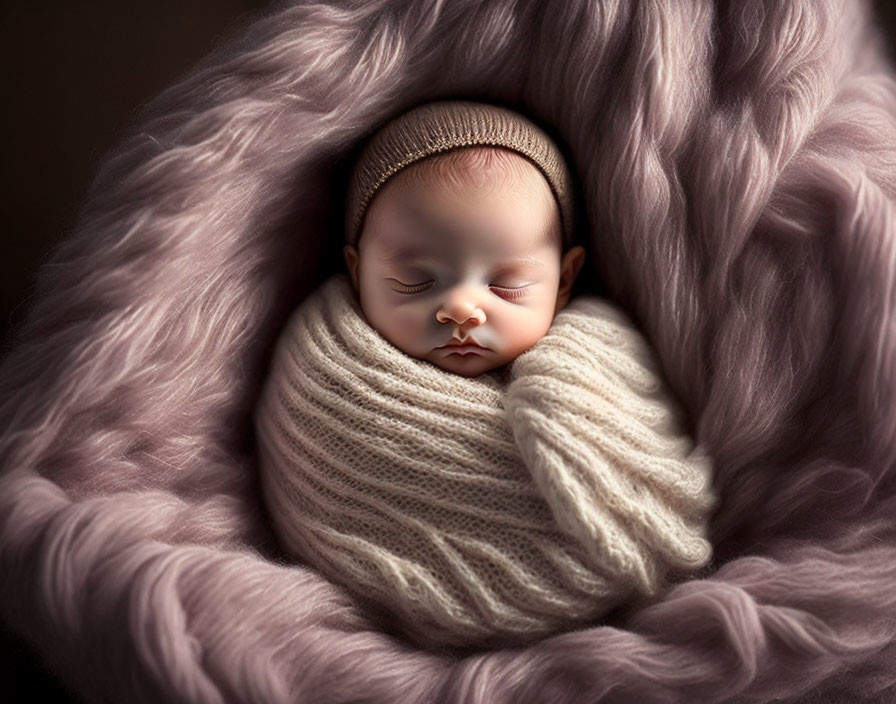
<point x="487" y="171"/>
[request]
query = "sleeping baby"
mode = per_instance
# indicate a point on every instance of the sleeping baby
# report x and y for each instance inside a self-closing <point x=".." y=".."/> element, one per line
<point x="477" y="457"/>
<point x="460" y="260"/>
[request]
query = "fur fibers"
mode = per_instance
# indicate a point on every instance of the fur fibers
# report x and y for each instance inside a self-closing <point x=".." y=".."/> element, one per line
<point x="737" y="163"/>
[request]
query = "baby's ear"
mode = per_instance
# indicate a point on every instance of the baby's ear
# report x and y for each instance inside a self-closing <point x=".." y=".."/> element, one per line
<point x="570" y="266"/>
<point x="351" y="262"/>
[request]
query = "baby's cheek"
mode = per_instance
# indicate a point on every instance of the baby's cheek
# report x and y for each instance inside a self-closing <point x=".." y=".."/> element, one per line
<point x="527" y="329"/>
<point x="403" y="326"/>
<point x="409" y="326"/>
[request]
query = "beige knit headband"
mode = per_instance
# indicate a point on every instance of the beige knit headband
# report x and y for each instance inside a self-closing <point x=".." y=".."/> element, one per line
<point x="440" y="126"/>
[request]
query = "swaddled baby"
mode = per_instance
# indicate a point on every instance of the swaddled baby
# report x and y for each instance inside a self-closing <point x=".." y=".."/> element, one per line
<point x="450" y="437"/>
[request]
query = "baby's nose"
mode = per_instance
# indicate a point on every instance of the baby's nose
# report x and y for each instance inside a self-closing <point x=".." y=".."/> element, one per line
<point x="460" y="312"/>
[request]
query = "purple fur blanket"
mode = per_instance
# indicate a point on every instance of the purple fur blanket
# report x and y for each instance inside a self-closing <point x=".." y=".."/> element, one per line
<point x="737" y="162"/>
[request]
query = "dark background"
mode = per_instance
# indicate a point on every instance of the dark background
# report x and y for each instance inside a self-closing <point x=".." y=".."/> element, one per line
<point x="74" y="74"/>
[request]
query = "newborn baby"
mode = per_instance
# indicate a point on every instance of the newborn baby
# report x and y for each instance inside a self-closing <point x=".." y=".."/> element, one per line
<point x="474" y="455"/>
<point x="461" y="260"/>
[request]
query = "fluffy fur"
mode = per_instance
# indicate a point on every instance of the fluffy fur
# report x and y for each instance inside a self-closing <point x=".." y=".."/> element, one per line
<point x="738" y="171"/>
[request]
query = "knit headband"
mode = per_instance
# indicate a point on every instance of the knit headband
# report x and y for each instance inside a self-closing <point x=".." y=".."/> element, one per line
<point x="441" y="126"/>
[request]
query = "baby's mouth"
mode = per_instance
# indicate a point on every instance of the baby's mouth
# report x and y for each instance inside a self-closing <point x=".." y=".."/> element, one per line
<point x="464" y="350"/>
<point x="465" y="347"/>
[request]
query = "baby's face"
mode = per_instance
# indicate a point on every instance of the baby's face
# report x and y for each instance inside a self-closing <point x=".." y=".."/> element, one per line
<point x="463" y="247"/>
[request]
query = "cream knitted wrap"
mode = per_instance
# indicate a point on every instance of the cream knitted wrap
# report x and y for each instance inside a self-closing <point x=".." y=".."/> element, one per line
<point x="499" y="508"/>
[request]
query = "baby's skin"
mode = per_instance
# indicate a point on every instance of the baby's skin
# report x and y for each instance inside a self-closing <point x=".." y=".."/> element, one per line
<point x="460" y="259"/>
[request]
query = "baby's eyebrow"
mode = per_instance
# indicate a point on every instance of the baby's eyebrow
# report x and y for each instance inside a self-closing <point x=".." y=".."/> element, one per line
<point x="522" y="261"/>
<point x="404" y="253"/>
<point x="410" y="253"/>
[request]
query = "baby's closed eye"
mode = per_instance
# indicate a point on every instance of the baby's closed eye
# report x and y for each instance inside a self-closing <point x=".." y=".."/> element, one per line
<point x="510" y="289"/>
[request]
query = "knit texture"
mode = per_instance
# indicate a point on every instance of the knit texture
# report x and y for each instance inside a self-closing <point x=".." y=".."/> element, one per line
<point x="480" y="510"/>
<point x="440" y="126"/>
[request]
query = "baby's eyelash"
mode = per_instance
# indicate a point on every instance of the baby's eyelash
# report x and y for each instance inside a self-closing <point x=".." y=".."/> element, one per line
<point x="414" y="288"/>
<point x="514" y="292"/>
<point x="507" y="292"/>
